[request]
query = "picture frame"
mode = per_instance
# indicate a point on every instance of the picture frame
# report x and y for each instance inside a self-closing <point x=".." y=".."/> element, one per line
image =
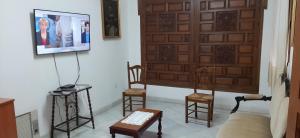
<point x="110" y="19"/>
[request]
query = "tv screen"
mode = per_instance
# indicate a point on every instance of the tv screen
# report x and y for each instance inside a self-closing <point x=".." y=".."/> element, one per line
<point x="57" y="32"/>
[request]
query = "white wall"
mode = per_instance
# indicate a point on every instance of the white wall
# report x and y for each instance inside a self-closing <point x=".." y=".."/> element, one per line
<point x="28" y="78"/>
<point x="223" y="100"/>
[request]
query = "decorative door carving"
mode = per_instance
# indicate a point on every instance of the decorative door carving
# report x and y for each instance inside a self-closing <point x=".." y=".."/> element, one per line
<point x="222" y="35"/>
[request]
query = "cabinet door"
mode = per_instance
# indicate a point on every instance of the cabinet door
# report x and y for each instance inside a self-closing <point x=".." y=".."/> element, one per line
<point x="229" y="38"/>
<point x="167" y="41"/>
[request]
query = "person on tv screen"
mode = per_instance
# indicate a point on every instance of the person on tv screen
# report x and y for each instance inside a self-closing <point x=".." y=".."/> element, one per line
<point x="42" y="36"/>
<point x="55" y="31"/>
<point x="85" y="35"/>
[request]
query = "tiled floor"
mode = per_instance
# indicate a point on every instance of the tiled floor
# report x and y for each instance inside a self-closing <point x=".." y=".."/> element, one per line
<point x="173" y="124"/>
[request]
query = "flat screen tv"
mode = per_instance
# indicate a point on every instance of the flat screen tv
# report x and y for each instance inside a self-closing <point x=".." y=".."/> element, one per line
<point x="58" y="32"/>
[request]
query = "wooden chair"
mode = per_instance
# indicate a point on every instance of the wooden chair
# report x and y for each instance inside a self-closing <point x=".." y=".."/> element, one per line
<point x="136" y="75"/>
<point x="203" y="78"/>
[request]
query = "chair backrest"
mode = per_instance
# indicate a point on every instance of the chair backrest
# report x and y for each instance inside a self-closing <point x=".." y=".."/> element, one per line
<point x="203" y="79"/>
<point x="137" y="75"/>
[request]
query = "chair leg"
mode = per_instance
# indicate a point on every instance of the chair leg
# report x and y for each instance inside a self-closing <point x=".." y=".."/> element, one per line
<point x="212" y="111"/>
<point x="144" y="101"/>
<point x="130" y="103"/>
<point x="123" y="97"/>
<point x="209" y="115"/>
<point x="186" y="110"/>
<point x="196" y="111"/>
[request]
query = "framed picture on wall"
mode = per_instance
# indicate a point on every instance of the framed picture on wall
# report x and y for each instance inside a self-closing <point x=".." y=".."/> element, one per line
<point x="110" y="19"/>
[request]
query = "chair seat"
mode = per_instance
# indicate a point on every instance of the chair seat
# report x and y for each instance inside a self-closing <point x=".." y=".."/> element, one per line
<point x="200" y="97"/>
<point x="135" y="92"/>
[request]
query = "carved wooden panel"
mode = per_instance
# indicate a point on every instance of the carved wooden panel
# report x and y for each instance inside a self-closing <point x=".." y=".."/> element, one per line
<point x="179" y="36"/>
<point x="167" y="41"/>
<point x="225" y="54"/>
<point x="167" y="53"/>
<point x="226" y="21"/>
<point x="229" y="42"/>
<point x="167" y="22"/>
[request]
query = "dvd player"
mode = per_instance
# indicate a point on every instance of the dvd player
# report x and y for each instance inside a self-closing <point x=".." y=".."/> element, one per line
<point x="67" y="86"/>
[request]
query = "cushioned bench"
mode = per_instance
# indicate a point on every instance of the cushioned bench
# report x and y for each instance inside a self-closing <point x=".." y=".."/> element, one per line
<point x="249" y="125"/>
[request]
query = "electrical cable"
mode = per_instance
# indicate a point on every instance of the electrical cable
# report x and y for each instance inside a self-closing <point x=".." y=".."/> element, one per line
<point x="78" y="68"/>
<point x="57" y="73"/>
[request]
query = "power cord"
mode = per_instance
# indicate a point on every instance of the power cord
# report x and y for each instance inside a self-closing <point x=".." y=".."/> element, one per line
<point x="78" y="68"/>
<point x="57" y="73"/>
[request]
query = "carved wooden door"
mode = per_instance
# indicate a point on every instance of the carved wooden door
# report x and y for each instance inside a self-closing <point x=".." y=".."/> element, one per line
<point x="222" y="35"/>
<point x="229" y="36"/>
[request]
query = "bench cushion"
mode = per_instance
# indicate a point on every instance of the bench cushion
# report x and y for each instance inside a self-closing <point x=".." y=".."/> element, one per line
<point x="245" y="125"/>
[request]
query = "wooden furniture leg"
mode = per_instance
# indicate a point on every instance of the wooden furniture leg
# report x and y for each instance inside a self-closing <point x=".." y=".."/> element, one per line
<point x="196" y="111"/>
<point x="113" y="135"/>
<point x="90" y="107"/>
<point x="159" y="126"/>
<point x="76" y="107"/>
<point x="209" y="115"/>
<point x="186" y="109"/>
<point x="212" y="110"/>
<point x="67" y="116"/>
<point x="144" y="101"/>
<point x="123" y="96"/>
<point x="53" y="113"/>
<point x="130" y="103"/>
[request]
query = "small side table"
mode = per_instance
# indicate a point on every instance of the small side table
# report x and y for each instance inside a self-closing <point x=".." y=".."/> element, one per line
<point x="80" y="120"/>
<point x="136" y="130"/>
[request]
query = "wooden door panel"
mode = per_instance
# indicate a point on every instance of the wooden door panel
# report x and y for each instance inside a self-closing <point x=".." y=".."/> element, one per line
<point x="168" y="32"/>
<point x="237" y="3"/>
<point x="220" y="4"/>
<point x="207" y="16"/>
<point x="229" y="41"/>
<point x="181" y="35"/>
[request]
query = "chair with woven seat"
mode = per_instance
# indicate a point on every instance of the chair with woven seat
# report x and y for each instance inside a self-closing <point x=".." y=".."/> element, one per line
<point x="136" y="76"/>
<point x="203" y="79"/>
